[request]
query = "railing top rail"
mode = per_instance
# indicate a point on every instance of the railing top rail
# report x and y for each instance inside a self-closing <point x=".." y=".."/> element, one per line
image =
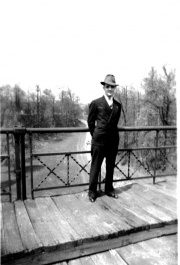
<point x="6" y="130"/>
<point x="83" y="129"/>
<point x="147" y="128"/>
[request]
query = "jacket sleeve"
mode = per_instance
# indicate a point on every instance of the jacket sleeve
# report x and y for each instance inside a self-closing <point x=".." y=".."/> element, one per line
<point x="92" y="117"/>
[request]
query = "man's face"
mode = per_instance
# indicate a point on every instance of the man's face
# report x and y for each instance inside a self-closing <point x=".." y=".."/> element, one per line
<point x="109" y="90"/>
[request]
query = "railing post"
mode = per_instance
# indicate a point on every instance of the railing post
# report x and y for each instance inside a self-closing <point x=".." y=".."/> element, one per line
<point x="23" y="167"/>
<point x="9" y="166"/>
<point x="155" y="164"/>
<point x="129" y="158"/>
<point x="19" y="133"/>
<point x="68" y="169"/>
<point x="17" y="163"/>
<point x="31" y="165"/>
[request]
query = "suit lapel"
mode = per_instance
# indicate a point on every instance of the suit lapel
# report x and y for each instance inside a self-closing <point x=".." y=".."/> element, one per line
<point x="115" y="109"/>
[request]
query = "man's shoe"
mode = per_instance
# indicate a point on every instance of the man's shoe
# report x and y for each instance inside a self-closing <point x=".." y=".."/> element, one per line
<point x="91" y="199"/>
<point x="112" y="194"/>
<point x="92" y="196"/>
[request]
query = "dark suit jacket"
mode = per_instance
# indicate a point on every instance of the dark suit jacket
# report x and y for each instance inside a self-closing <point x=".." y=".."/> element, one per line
<point x="102" y="122"/>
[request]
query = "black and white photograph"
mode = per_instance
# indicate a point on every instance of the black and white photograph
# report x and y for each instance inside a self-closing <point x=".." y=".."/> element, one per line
<point x="89" y="132"/>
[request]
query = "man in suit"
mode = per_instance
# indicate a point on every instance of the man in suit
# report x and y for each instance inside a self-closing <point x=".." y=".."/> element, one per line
<point x="104" y="114"/>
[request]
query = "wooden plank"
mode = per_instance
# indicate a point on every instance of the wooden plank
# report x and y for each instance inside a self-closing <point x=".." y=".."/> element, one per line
<point x="137" y="205"/>
<point x="126" y="200"/>
<point x="96" y="260"/>
<point x="78" y="226"/>
<point x="106" y="220"/>
<point x="160" y="207"/>
<point x="165" y="245"/>
<point x="155" y="187"/>
<point x="102" y="229"/>
<point x="28" y="236"/>
<point x="87" y="261"/>
<point x="164" y="189"/>
<point x="82" y="214"/>
<point x="61" y="223"/>
<point x="92" y="247"/>
<point x="49" y="220"/>
<point x="40" y="226"/>
<point x="109" y="258"/>
<point x="75" y="262"/>
<point x="121" y="225"/>
<point x="158" y="189"/>
<point x="134" y="254"/>
<point x="154" y="196"/>
<point x="170" y="239"/>
<point x="94" y="216"/>
<point x="124" y="214"/>
<point x="167" y="184"/>
<point x="115" y="256"/>
<point x="154" y="209"/>
<point x="164" y="250"/>
<point x="172" y="182"/>
<point x="11" y="233"/>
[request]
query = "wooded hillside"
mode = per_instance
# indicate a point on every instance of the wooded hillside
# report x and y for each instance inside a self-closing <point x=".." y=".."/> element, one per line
<point x="153" y="104"/>
<point x="39" y="109"/>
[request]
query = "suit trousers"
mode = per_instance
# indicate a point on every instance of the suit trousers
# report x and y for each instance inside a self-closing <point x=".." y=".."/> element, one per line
<point x="98" y="153"/>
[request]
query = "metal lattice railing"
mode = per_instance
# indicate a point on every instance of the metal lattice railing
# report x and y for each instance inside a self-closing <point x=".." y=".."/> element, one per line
<point x="69" y="169"/>
<point x="6" y="189"/>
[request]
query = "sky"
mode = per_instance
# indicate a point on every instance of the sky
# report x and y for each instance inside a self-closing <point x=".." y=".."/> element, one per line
<point x="60" y="44"/>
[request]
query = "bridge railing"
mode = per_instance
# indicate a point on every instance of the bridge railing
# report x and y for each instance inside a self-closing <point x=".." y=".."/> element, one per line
<point x="67" y="175"/>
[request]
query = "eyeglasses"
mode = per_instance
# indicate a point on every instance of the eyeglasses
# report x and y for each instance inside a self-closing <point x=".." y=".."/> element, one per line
<point x="108" y="86"/>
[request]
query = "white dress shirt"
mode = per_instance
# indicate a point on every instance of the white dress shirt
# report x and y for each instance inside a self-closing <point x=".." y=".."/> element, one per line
<point x="109" y="101"/>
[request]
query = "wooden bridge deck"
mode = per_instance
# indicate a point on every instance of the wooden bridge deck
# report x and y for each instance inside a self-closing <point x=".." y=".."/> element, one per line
<point x="66" y="227"/>
<point x="156" y="251"/>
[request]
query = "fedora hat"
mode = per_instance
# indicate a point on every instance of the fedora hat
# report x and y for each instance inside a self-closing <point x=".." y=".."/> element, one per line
<point x="109" y="80"/>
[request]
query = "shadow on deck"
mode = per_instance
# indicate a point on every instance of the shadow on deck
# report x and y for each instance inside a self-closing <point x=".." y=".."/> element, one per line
<point x="60" y="228"/>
